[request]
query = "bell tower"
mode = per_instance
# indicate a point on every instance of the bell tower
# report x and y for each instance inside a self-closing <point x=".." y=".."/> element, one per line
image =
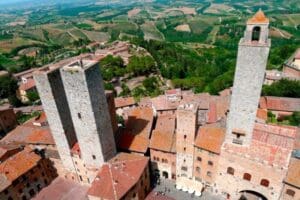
<point x="253" y="52"/>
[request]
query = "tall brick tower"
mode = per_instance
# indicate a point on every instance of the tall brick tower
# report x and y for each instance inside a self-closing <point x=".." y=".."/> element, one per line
<point x="252" y="59"/>
<point x="185" y="137"/>
<point x="52" y="93"/>
<point x="89" y="111"/>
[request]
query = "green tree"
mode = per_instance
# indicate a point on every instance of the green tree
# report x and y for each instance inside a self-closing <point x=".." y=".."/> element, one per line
<point x="282" y="88"/>
<point x="33" y="96"/>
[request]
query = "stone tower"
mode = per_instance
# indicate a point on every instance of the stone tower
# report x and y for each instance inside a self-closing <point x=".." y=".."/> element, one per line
<point x="89" y="111"/>
<point x="185" y="137"/>
<point x="252" y="59"/>
<point x="50" y="87"/>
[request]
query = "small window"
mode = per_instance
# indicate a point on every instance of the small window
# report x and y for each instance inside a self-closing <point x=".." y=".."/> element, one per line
<point x="80" y="177"/>
<point x="247" y="177"/>
<point x="79" y="115"/>
<point x="198" y="169"/>
<point x="290" y="192"/>
<point x="184" y="149"/>
<point x="184" y="168"/>
<point x="209" y="174"/>
<point x="46" y="182"/>
<point x="256" y="33"/>
<point x="230" y="170"/>
<point x="184" y="136"/>
<point x="199" y="159"/>
<point x="31" y="193"/>
<point x="210" y="163"/>
<point x="94" y="157"/>
<point x="134" y="195"/>
<point x="264" y="182"/>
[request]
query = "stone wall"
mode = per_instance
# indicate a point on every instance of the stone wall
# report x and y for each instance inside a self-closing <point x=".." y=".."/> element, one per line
<point x="52" y="94"/>
<point x="248" y="80"/>
<point x="89" y="112"/>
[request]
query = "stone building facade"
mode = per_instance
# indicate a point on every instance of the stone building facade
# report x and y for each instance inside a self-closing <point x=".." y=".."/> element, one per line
<point x="24" y="174"/>
<point x="55" y="104"/>
<point x="79" y="114"/>
<point x="185" y="137"/>
<point x="252" y="58"/>
<point x="89" y="111"/>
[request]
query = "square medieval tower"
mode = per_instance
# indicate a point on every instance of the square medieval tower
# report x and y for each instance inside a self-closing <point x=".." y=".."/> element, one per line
<point x="252" y="59"/>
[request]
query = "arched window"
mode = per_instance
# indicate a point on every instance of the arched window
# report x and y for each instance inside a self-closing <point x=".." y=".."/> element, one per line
<point x="290" y="192"/>
<point x="264" y="182"/>
<point x="256" y="33"/>
<point x="247" y="177"/>
<point x="230" y="170"/>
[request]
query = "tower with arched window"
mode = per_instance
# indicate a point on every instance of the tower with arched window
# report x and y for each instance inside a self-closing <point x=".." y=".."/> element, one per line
<point x="252" y="59"/>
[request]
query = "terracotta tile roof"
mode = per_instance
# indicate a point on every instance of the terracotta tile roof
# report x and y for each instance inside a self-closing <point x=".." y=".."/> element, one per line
<point x="212" y="113"/>
<point x="173" y="92"/>
<point x="28" y="133"/>
<point x="118" y="176"/>
<point x="156" y="196"/>
<point x="163" y="137"/>
<point x="262" y="114"/>
<point x="202" y="99"/>
<point x="136" y="143"/>
<point x="75" y="149"/>
<point x="258" y="18"/>
<point x="280" y="103"/>
<point x="5" y="148"/>
<point x="163" y="141"/>
<point x="166" y="123"/>
<point x="4" y="182"/>
<point x="135" y="136"/>
<point x="62" y="189"/>
<point x="124" y="101"/>
<point x="210" y="139"/>
<point x="293" y="173"/>
<point x="162" y="103"/>
<point x="19" y="164"/>
<point x="27" y="86"/>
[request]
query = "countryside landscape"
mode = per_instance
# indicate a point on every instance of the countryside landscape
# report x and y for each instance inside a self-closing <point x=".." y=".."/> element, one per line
<point x="206" y="34"/>
<point x="150" y="99"/>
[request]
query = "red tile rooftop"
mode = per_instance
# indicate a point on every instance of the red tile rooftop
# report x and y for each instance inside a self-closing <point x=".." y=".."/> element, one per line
<point x="28" y="85"/>
<point x="19" y="164"/>
<point x="293" y="174"/>
<point x="28" y="133"/>
<point x="118" y="176"/>
<point x="162" y="103"/>
<point x="62" y="189"/>
<point x="5" y="148"/>
<point x="210" y="139"/>
<point x="258" y="18"/>
<point x="262" y="114"/>
<point x="163" y="141"/>
<point x="121" y="102"/>
<point x="173" y="92"/>
<point x="75" y="149"/>
<point x="280" y="103"/>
